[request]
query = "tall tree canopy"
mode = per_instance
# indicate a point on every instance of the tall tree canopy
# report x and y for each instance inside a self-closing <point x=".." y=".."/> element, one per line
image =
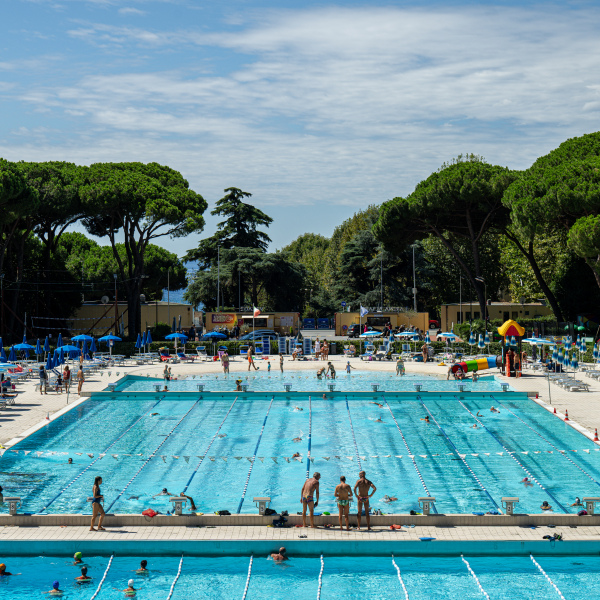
<point x="140" y="202"/>
<point x="462" y="201"/>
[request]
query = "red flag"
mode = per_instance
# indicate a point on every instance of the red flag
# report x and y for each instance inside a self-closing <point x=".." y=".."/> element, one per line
<point x="256" y="311"/>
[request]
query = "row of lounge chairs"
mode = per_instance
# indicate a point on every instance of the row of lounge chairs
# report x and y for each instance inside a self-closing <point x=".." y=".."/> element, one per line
<point x="569" y="383"/>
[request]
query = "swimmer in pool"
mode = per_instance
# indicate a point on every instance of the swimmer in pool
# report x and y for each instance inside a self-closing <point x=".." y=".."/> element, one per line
<point x="4" y="572"/>
<point x="298" y="409"/>
<point x="545" y="505"/>
<point x="577" y="502"/>
<point x="296" y="455"/>
<point x="494" y="410"/>
<point x="193" y="506"/>
<point x="154" y="414"/>
<point x="478" y="415"/>
<point x="163" y="493"/>
<point x="70" y="461"/>
<point x="526" y="482"/>
<point x="84" y="577"/>
<point x="474" y="425"/>
<point x="389" y="499"/>
<point x="55" y="591"/>
<point x="279" y="556"/>
<point x="129" y="590"/>
<point x="297" y="439"/>
<point x="77" y="558"/>
<point x="378" y="420"/>
<point x="320" y="372"/>
<point x="426" y="419"/>
<point x="238" y="385"/>
<point x="143" y="568"/>
<point x="377" y="404"/>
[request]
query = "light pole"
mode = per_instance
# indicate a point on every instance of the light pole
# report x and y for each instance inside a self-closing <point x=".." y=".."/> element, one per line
<point x="414" y="290"/>
<point x="482" y="280"/>
<point x="218" y="277"/>
<point x="116" y="307"/>
<point x="381" y="280"/>
<point x="2" y="300"/>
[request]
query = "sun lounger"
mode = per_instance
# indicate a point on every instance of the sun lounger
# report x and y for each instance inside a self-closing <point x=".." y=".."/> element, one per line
<point x="369" y="353"/>
<point x="185" y="357"/>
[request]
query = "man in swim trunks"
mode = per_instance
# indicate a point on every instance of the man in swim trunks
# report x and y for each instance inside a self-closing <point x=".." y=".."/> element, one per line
<point x="193" y="505"/>
<point x="279" y="556"/>
<point x="343" y="493"/>
<point x="251" y="358"/>
<point x="363" y="496"/>
<point x="310" y="488"/>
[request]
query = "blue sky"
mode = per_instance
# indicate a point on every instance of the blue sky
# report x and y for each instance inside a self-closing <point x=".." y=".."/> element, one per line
<point x="316" y="109"/>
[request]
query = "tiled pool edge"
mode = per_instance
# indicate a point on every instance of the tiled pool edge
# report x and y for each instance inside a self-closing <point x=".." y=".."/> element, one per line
<point x="297" y="548"/>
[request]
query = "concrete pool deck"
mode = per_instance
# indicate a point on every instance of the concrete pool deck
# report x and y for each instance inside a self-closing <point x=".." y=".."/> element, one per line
<point x="31" y="409"/>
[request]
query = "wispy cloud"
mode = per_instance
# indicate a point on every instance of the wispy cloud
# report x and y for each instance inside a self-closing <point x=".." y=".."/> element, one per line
<point x="129" y="10"/>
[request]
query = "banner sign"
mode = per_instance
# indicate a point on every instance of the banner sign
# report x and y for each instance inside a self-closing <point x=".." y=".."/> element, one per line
<point x="224" y="318"/>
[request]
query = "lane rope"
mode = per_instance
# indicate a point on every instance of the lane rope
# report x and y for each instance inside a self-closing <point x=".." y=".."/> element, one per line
<point x="208" y="447"/>
<point x="253" y="459"/>
<point x="175" y="580"/>
<point x="562" y="452"/>
<point x="103" y="577"/>
<point x="320" y="578"/>
<point x="411" y="456"/>
<point x="309" y="436"/>
<point x="353" y="436"/>
<point x="101" y="455"/>
<point x="512" y="455"/>
<point x="461" y="456"/>
<point x="400" y="579"/>
<point x="535" y="562"/>
<point x="152" y="455"/>
<point x="475" y="577"/>
<point x="248" y="578"/>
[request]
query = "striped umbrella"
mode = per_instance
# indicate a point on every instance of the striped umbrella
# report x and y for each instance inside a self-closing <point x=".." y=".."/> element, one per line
<point x="574" y="363"/>
<point x="513" y="341"/>
<point x="595" y="353"/>
<point x="472" y="340"/>
<point x="561" y="357"/>
<point x="481" y="343"/>
<point x="427" y="338"/>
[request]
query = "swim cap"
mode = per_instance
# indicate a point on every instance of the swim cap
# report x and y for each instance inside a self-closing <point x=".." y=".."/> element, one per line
<point x="78" y="555"/>
<point x="2" y="567"/>
<point x="130" y="583"/>
<point x="164" y="489"/>
<point x="55" y="585"/>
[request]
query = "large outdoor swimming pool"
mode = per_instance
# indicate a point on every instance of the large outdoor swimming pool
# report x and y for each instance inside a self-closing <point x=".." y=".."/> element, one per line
<point x="356" y="381"/>
<point x="224" y="449"/>
<point x="375" y="578"/>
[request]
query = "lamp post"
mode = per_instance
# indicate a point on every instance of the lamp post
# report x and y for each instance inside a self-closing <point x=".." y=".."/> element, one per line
<point x="116" y="307"/>
<point x="482" y="280"/>
<point x="381" y="276"/>
<point x="414" y="290"/>
<point x="218" y="277"/>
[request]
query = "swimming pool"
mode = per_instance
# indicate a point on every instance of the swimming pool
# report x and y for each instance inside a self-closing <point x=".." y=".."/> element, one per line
<point x="224" y="449"/>
<point x="375" y="578"/>
<point x="307" y="381"/>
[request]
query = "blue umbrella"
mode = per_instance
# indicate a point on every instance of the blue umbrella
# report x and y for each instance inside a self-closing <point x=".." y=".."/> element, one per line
<point x="61" y="356"/>
<point x="12" y="356"/>
<point x="109" y="338"/>
<point x="427" y="338"/>
<point x="84" y="350"/>
<point x="369" y="334"/>
<point x="595" y="353"/>
<point x="148" y="339"/>
<point x="24" y="346"/>
<point x="213" y="335"/>
<point x="59" y="342"/>
<point x="46" y="345"/>
<point x="49" y="363"/>
<point x="481" y="343"/>
<point x="182" y="336"/>
<point x="144" y="340"/>
<point x="472" y="340"/>
<point x="2" y="354"/>
<point x="574" y="363"/>
<point x="448" y="335"/>
<point x="555" y="354"/>
<point x="24" y="338"/>
<point x="487" y="339"/>
<point x="82" y="338"/>
<point x="561" y="357"/>
<point x="93" y="346"/>
<point x="38" y="347"/>
<point x="70" y="348"/>
<point x="138" y="342"/>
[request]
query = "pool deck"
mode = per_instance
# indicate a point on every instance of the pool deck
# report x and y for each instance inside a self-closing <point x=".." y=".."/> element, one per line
<point x="31" y="410"/>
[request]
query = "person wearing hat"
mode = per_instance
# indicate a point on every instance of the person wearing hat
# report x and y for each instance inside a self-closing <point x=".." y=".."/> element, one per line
<point x="78" y="558"/>
<point x="164" y="492"/>
<point x="3" y="571"/>
<point x="55" y="591"/>
<point x="130" y="591"/>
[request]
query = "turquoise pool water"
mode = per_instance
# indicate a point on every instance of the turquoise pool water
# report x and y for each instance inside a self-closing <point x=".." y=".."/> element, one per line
<point x="263" y="381"/>
<point x="224" y="449"/>
<point x="443" y="578"/>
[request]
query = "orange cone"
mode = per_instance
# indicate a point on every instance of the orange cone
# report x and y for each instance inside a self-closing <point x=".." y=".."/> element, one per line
<point x="566" y="415"/>
<point x="47" y="416"/>
<point x="596" y="435"/>
<point x="555" y="410"/>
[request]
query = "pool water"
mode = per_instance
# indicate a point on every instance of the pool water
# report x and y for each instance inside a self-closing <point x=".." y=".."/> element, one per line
<point x="375" y="578"/>
<point x="262" y="381"/>
<point x="224" y="449"/>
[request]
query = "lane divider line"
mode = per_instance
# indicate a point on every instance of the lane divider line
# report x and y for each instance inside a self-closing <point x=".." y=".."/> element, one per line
<point x="152" y="455"/>
<point x="175" y="580"/>
<point x="535" y="562"/>
<point x="353" y="436"/>
<point x="400" y="579"/>
<point x="475" y="577"/>
<point x="208" y="447"/>
<point x="248" y="578"/>
<point x="103" y="577"/>
<point x="309" y="437"/>
<point x="320" y="578"/>
<point x="411" y="455"/>
<point x="253" y="459"/>
<point x="461" y="456"/>
<point x="99" y="457"/>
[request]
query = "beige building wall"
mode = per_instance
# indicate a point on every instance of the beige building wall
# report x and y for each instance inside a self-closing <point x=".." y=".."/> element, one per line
<point x="101" y="317"/>
<point x="343" y="320"/>
<point x="497" y="310"/>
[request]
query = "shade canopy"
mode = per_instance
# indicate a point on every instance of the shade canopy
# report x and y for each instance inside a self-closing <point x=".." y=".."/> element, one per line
<point x="82" y="338"/>
<point x="511" y="328"/>
<point x="538" y="341"/>
<point x="109" y="338"/>
<point x="177" y="336"/>
<point x="24" y="346"/>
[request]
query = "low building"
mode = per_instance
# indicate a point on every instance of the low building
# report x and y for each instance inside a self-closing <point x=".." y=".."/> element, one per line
<point x="450" y="314"/>
<point x="280" y="322"/>
<point x="378" y="320"/>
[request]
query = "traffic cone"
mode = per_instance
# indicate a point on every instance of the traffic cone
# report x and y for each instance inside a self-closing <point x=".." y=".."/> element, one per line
<point x="596" y="435"/>
<point x="47" y="416"/>
<point x="566" y="415"/>
<point x="555" y="410"/>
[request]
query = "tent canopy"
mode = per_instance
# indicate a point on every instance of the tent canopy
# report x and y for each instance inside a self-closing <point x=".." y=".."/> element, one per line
<point x="511" y="328"/>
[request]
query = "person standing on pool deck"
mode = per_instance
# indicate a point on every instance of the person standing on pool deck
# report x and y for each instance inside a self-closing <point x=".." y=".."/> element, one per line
<point x="343" y="493"/>
<point x="363" y="496"/>
<point x="281" y="361"/>
<point x="251" y="357"/>
<point x="96" y="506"/>
<point x="309" y="489"/>
<point x="80" y="379"/>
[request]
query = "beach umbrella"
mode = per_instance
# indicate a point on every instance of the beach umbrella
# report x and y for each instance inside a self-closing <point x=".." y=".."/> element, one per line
<point x="574" y="363"/>
<point x="84" y="350"/>
<point x="182" y="336"/>
<point x="46" y="345"/>
<point x="427" y="338"/>
<point x="370" y="334"/>
<point x="2" y="354"/>
<point x="144" y="341"/>
<point x="486" y="340"/>
<point x="554" y="353"/>
<point x="82" y="338"/>
<point x="472" y="340"/>
<point x="481" y="343"/>
<point x="59" y="342"/>
<point x="148" y="339"/>
<point x="12" y="356"/>
<point x="595" y="353"/>
<point x="61" y="356"/>
<point x="109" y="339"/>
<point x="38" y="348"/>
<point x="560" y="359"/>
<point x="49" y="363"/>
<point x="24" y="339"/>
<point x="24" y="346"/>
<point x="138" y="342"/>
<point x="213" y="335"/>
<point x="93" y="346"/>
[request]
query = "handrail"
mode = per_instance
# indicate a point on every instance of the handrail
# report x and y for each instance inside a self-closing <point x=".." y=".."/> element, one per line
<point x="176" y="578"/>
<point x="152" y="455"/>
<point x="512" y="455"/>
<point x="253" y="459"/>
<point x="248" y="578"/>
<point x="547" y="577"/>
<point x="99" y="457"/>
<point x="461" y="456"/>
<point x="187" y="485"/>
<point x="411" y="455"/>
<point x="103" y="577"/>
<point x="400" y="579"/>
<point x="475" y="577"/>
<point x="353" y="436"/>
<point x="320" y="578"/>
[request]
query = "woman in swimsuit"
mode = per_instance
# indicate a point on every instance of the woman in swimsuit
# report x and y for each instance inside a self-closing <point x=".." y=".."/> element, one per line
<point x="330" y="369"/>
<point x="96" y="506"/>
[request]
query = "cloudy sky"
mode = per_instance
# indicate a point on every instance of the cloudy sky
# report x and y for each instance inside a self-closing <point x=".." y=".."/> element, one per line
<point x="317" y="109"/>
